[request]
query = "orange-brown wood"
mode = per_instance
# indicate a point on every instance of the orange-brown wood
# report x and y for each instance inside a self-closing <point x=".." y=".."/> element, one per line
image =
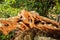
<point x="27" y="20"/>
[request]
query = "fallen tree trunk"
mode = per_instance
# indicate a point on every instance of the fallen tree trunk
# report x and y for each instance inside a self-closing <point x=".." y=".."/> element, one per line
<point x="27" y="20"/>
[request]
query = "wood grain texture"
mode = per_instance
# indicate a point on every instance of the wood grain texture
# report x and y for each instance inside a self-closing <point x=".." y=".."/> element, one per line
<point x="27" y="20"/>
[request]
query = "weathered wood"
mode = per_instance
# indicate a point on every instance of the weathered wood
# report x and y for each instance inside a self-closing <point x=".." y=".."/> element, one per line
<point x="58" y="18"/>
<point x="27" y="20"/>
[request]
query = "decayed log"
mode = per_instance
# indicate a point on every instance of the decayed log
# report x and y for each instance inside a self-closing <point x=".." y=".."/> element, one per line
<point x="27" y="20"/>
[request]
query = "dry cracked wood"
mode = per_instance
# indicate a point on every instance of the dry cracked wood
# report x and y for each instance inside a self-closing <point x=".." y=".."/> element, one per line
<point x="27" y="20"/>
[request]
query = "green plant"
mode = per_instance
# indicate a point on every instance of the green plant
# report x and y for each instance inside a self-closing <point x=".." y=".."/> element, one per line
<point x="12" y="7"/>
<point x="6" y="37"/>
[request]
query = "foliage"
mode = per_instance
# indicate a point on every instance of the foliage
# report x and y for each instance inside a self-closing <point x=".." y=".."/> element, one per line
<point x="57" y="8"/>
<point x="12" y="7"/>
<point x="6" y="10"/>
<point x="41" y="6"/>
<point x="6" y="37"/>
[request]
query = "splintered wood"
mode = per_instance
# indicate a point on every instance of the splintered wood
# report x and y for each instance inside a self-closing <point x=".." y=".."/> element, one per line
<point x="27" y="20"/>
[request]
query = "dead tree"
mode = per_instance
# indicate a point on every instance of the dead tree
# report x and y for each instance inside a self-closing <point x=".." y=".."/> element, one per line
<point x="27" y="20"/>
